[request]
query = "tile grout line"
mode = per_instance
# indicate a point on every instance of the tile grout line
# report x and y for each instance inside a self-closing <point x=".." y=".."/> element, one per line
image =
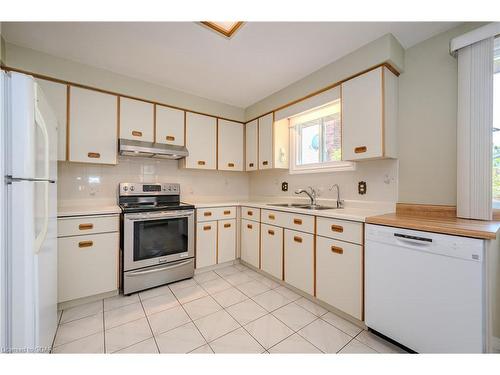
<point x="149" y="324"/>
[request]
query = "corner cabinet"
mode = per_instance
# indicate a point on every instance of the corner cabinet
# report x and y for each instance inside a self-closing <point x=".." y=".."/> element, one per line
<point x="230" y="146"/>
<point x="201" y="142"/>
<point x="136" y="120"/>
<point x="267" y="143"/>
<point x="93" y="121"/>
<point x="369" y="115"/>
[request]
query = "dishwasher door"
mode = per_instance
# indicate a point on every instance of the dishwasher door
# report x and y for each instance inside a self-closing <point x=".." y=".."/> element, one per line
<point x="425" y="290"/>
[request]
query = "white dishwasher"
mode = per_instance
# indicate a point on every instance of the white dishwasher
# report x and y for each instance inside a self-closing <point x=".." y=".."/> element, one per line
<point x="426" y="290"/>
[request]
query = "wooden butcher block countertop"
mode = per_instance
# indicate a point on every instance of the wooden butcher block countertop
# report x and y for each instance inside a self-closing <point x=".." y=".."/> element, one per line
<point x="436" y="219"/>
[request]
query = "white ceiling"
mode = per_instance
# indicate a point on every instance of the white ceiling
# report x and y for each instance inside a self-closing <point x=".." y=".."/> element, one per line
<point x="260" y="59"/>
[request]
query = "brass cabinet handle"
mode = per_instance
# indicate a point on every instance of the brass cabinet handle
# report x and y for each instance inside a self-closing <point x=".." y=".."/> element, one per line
<point x="207" y="213"/>
<point x="265" y="162"/>
<point x="250" y="165"/>
<point x="337" y="228"/>
<point x="201" y="162"/>
<point x="337" y="250"/>
<point x="250" y="213"/>
<point x="249" y="226"/>
<point x="227" y="212"/>
<point x="94" y="155"/>
<point x="271" y="232"/>
<point x="207" y="227"/>
<point x="85" y="243"/>
<point x="360" y="149"/>
<point x="297" y="239"/>
<point x="136" y="133"/>
<point x="227" y="225"/>
<point x="231" y="165"/>
<point x="170" y="138"/>
<point x="86" y="226"/>
<point x="297" y="221"/>
<point x="271" y="217"/>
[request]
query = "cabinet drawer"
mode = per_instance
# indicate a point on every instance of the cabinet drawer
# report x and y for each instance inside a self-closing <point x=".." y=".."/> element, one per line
<point x="344" y="230"/>
<point x="271" y="245"/>
<point x="339" y="275"/>
<point x="87" y="265"/>
<point x="303" y="223"/>
<point x="299" y="260"/>
<point x="215" y="213"/>
<point x="84" y="225"/>
<point x="250" y="213"/>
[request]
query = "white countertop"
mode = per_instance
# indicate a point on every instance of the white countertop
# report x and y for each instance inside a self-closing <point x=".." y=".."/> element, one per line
<point x="87" y="209"/>
<point x="354" y="210"/>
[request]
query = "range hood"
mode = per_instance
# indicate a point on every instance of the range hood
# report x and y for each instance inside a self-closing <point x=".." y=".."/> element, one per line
<point x="151" y="149"/>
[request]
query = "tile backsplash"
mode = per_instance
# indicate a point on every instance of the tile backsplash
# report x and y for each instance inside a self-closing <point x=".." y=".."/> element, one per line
<point x="78" y="182"/>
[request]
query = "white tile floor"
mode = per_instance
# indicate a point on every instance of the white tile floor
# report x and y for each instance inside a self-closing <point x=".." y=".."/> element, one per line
<point x="228" y="310"/>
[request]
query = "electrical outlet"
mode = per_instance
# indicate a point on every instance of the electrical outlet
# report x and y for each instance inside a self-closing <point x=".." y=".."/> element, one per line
<point x="362" y="187"/>
<point x="284" y="186"/>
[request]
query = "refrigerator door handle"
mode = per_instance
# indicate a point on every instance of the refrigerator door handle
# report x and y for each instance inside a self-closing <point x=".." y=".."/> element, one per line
<point x="40" y="238"/>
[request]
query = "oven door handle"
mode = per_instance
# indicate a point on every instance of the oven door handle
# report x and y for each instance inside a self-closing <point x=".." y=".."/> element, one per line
<point x="173" y="214"/>
<point x="139" y="273"/>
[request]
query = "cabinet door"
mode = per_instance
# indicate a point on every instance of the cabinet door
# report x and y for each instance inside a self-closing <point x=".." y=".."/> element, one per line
<point x="339" y="275"/>
<point x="56" y="95"/>
<point x="272" y="250"/>
<point x="230" y="146"/>
<point x="92" y="127"/>
<point x="201" y="141"/>
<point x="251" y="139"/>
<point x="226" y="241"/>
<point x="362" y="123"/>
<point x="87" y="265"/>
<point x="169" y="126"/>
<point x="250" y="242"/>
<point x="206" y="244"/>
<point x="299" y="260"/>
<point x="136" y="120"/>
<point x="266" y="142"/>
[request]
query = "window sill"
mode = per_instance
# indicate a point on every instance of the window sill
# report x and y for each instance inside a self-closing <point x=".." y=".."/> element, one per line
<point x="341" y="167"/>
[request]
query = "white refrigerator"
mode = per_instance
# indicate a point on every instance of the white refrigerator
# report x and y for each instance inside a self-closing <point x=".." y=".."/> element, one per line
<point x="28" y="223"/>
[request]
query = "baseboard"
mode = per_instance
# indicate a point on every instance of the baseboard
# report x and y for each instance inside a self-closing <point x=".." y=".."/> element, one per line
<point x="84" y="300"/>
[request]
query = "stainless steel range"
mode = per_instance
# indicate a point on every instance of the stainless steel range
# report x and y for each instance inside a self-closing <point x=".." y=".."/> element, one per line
<point x="157" y="235"/>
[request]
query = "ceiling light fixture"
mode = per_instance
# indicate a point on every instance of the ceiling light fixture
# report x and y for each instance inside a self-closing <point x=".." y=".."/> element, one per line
<point x="225" y="28"/>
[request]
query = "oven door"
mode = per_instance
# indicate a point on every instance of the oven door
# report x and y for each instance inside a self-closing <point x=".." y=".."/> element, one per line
<point x="152" y="238"/>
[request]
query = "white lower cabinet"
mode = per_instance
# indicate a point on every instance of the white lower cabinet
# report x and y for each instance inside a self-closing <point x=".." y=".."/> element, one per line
<point x="206" y="244"/>
<point x="299" y="260"/>
<point x="250" y="251"/>
<point x="226" y="243"/>
<point x="339" y="275"/>
<point x="87" y="265"/>
<point x="271" y="244"/>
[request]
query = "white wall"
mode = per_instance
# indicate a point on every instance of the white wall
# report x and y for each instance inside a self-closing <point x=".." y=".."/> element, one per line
<point x="80" y="183"/>
<point x="381" y="177"/>
<point x="52" y="66"/>
<point x="427" y="124"/>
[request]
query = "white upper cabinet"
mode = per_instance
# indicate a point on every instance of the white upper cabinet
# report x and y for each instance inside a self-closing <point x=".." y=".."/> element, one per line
<point x="369" y="115"/>
<point x="93" y="121"/>
<point x="56" y="95"/>
<point x="169" y="125"/>
<point x="230" y="148"/>
<point x="266" y="142"/>
<point x="251" y="149"/>
<point x="201" y="141"/>
<point x="136" y="120"/>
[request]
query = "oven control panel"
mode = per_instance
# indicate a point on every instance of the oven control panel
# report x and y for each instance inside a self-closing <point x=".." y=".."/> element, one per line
<point x="139" y="188"/>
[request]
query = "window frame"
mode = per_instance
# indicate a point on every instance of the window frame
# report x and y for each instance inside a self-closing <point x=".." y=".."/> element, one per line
<point x="322" y="167"/>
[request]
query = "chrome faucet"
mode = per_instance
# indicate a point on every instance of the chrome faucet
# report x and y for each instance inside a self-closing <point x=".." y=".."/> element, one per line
<point x="340" y="203"/>
<point x="312" y="195"/>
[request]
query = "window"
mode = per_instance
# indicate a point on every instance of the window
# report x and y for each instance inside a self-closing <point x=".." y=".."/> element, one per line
<point x="315" y="141"/>
<point x="496" y="126"/>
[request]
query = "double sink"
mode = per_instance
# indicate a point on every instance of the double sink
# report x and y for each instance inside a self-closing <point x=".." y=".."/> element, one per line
<point x="305" y="206"/>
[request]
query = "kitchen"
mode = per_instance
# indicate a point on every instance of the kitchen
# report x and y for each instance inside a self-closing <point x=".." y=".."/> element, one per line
<point x="341" y="207"/>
